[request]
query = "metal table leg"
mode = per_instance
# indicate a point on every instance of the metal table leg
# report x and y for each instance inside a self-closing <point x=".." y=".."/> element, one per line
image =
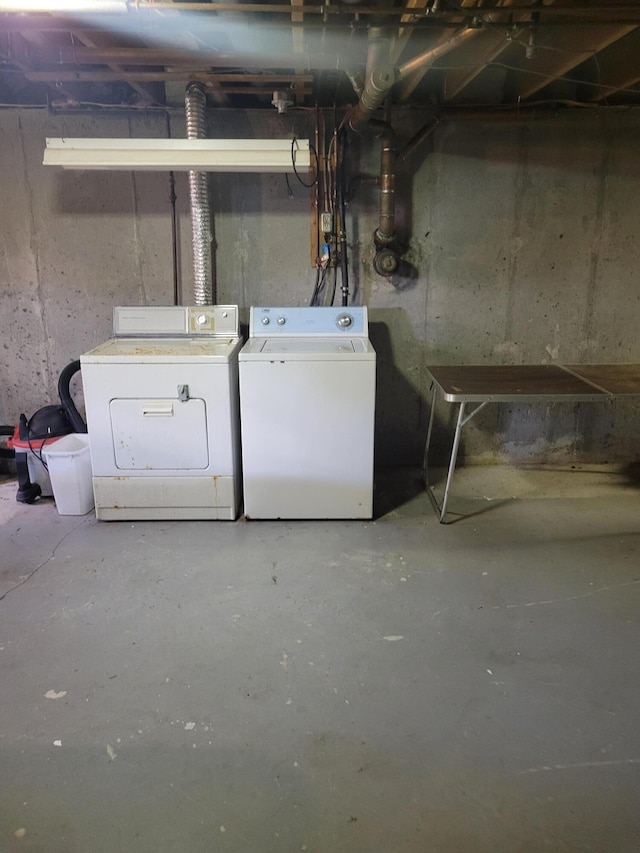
<point x="425" y="461"/>
<point x="452" y="462"/>
<point x="441" y="511"/>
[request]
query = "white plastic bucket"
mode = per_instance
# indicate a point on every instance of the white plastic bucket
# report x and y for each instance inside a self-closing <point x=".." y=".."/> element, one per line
<point x="69" y="463"/>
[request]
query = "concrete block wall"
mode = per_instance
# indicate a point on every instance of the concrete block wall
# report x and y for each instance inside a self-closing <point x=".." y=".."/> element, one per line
<point x="520" y="247"/>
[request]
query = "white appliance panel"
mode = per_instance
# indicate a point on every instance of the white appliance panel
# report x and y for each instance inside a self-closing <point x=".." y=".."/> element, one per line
<point x="163" y="415"/>
<point x="307" y="414"/>
<point x="107" y="381"/>
<point x="166" y="434"/>
<point x="168" y="497"/>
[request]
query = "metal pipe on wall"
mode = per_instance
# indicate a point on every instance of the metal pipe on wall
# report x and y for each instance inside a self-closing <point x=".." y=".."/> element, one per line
<point x="380" y="78"/>
<point x="201" y="236"/>
<point x="386" y="230"/>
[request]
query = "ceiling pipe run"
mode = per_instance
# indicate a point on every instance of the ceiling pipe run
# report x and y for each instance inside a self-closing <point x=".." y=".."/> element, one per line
<point x="423" y="60"/>
<point x="381" y="76"/>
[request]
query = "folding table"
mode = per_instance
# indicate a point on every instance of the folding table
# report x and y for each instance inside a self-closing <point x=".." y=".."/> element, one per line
<point x="524" y="383"/>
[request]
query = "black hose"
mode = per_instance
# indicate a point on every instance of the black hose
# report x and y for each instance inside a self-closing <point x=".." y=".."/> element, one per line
<point x="75" y="419"/>
<point x="316" y="288"/>
<point x="174" y="223"/>
<point x="174" y="236"/>
<point x="344" y="266"/>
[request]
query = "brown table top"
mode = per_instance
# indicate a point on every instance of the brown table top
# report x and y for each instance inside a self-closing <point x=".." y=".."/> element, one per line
<point x="615" y="379"/>
<point x="512" y="383"/>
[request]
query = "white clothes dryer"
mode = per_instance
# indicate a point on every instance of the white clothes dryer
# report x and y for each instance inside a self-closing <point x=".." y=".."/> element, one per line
<point x="161" y="400"/>
<point x="307" y="401"/>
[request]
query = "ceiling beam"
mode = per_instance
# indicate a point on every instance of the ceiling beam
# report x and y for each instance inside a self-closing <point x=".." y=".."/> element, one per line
<point x="16" y="51"/>
<point x="166" y="57"/>
<point x="558" y="53"/>
<point x="618" y="67"/>
<point x="297" y="33"/>
<point x="405" y="32"/>
<point x="153" y="94"/>
<point x="146" y="14"/>
<point x="144" y="7"/>
<point x="424" y="62"/>
<point x="159" y="76"/>
<point x="411" y="84"/>
<point x="479" y="54"/>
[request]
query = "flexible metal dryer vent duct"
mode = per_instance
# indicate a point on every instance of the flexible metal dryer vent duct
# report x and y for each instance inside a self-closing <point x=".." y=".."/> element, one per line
<point x="201" y="237"/>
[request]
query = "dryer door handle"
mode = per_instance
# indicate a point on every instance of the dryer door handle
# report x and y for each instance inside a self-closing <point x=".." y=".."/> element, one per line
<point x="158" y="411"/>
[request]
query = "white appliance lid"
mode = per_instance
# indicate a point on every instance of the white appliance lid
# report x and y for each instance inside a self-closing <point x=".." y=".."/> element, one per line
<point x="139" y="350"/>
<point x="307" y="349"/>
<point x="299" y="345"/>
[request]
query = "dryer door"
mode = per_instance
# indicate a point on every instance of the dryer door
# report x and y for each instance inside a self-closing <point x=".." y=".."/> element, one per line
<point x="156" y="434"/>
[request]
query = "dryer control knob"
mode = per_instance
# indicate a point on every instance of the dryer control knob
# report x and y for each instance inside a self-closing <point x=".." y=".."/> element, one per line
<point x="265" y="321"/>
<point x="282" y="321"/>
<point x="343" y="321"/>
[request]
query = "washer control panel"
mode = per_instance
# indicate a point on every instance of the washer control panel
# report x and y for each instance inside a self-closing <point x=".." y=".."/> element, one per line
<point x="298" y="322"/>
<point x="175" y="320"/>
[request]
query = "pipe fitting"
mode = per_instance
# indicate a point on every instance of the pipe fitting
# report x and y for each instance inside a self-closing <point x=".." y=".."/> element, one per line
<point x="377" y="86"/>
<point x="386" y="262"/>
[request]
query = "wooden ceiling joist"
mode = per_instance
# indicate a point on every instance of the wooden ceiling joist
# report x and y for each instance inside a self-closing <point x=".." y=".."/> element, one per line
<point x="15" y="51"/>
<point x="618" y="68"/>
<point x="413" y="82"/>
<point x="169" y="57"/>
<point x="297" y="34"/>
<point x="129" y="75"/>
<point x="558" y="53"/>
<point x="153" y="94"/>
<point x="231" y="46"/>
<point x="404" y="31"/>
<point x="479" y="54"/>
<point x="484" y="50"/>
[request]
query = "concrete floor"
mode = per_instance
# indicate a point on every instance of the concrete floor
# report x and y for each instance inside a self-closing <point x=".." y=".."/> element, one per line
<point x="268" y="687"/>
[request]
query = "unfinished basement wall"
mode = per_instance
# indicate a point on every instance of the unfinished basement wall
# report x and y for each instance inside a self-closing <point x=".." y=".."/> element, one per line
<point x="521" y="247"/>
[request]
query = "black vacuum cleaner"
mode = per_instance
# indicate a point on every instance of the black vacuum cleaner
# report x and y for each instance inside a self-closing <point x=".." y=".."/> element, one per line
<point x="31" y="434"/>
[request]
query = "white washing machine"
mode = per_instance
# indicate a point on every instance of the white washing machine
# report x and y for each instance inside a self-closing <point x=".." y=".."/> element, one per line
<point x="307" y="404"/>
<point x="161" y="400"/>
